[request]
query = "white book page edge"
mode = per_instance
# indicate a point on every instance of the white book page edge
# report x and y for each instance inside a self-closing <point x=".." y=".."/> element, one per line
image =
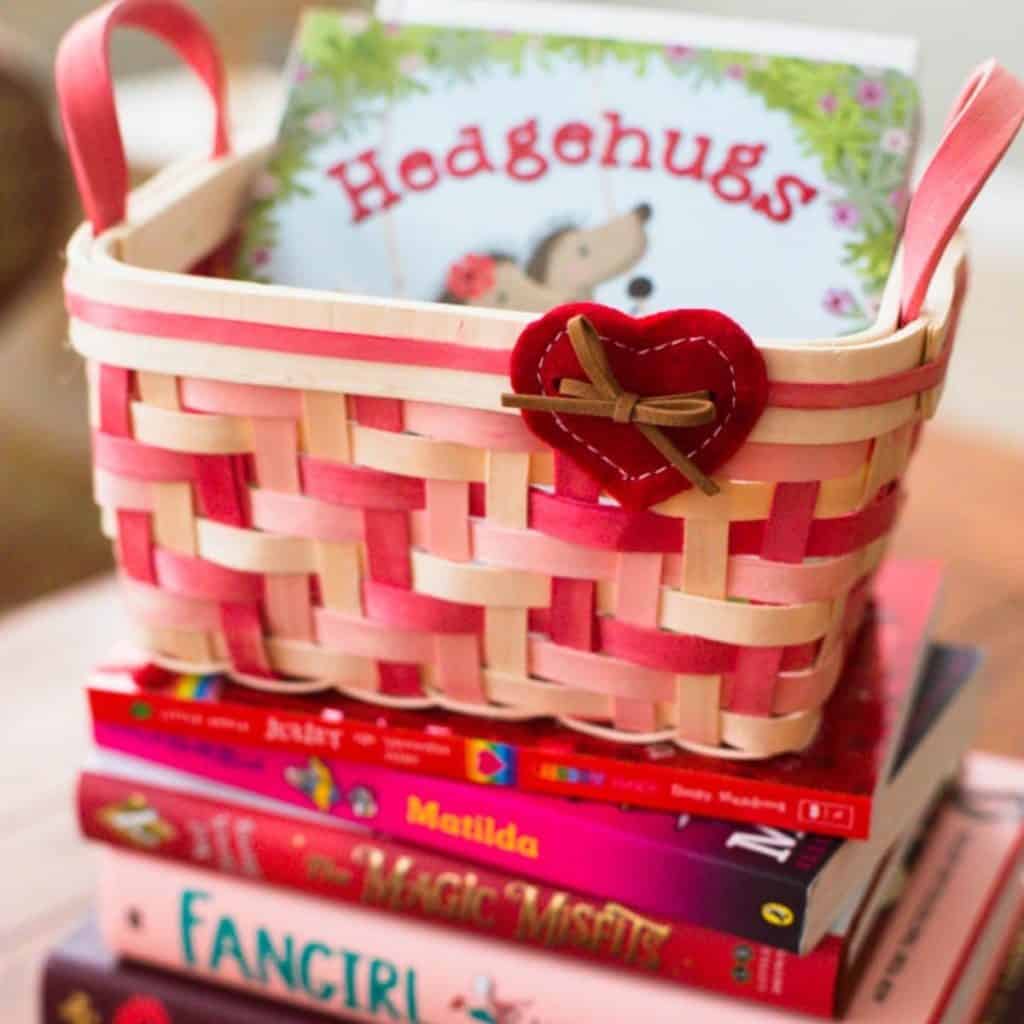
<point x="653" y="25"/>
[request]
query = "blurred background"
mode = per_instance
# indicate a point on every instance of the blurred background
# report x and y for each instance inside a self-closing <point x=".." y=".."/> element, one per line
<point x="48" y="534"/>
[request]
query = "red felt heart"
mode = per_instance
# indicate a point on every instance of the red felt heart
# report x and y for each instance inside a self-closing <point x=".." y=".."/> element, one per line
<point x="674" y="352"/>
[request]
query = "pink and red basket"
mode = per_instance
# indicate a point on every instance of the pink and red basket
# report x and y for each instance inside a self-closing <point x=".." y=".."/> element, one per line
<point x="320" y="491"/>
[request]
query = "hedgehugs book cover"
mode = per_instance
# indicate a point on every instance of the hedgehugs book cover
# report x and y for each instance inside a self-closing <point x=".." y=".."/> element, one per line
<point x="518" y="156"/>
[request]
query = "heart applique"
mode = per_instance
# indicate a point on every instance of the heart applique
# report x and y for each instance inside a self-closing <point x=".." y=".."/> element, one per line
<point x="648" y="406"/>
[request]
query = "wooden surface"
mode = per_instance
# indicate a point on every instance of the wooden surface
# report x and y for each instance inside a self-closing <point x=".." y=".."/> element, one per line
<point x="966" y="497"/>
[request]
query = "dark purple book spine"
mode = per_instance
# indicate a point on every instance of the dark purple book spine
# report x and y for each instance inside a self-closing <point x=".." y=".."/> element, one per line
<point x="83" y="983"/>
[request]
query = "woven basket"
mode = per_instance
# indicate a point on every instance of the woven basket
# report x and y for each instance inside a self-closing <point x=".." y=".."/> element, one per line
<point x="318" y="491"/>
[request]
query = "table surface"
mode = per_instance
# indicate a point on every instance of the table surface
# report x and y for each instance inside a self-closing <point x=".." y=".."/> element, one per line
<point x="966" y="494"/>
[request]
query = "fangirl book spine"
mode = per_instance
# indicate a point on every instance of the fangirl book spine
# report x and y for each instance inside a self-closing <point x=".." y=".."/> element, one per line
<point x="352" y="866"/>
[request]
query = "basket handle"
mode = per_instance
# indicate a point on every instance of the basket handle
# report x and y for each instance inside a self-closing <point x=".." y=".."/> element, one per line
<point x="983" y="122"/>
<point x="86" y="93"/>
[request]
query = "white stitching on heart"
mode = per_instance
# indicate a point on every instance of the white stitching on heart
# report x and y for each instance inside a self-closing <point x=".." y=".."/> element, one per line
<point x="733" y="398"/>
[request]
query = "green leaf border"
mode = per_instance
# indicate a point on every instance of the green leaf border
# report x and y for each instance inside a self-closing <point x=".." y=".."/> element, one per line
<point x="853" y="120"/>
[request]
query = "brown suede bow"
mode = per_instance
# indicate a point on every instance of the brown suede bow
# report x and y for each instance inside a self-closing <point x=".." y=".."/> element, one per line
<point x="601" y="395"/>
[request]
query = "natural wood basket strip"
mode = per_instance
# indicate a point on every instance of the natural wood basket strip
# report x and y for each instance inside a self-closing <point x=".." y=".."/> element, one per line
<point x="171" y="503"/>
<point x="505" y="640"/>
<point x="409" y="455"/>
<point x="769" y="736"/>
<point x="508" y="481"/>
<point x="478" y="584"/>
<point x="250" y="551"/>
<point x="340" y="577"/>
<point x="706" y="558"/>
<point x="174" y="521"/>
<point x="194" y="433"/>
<point x="748" y="625"/>
<point x="548" y="698"/>
<point x="311" y="661"/>
<point x="832" y="426"/>
<point x="740" y="501"/>
<point x="186" y="213"/>
<point x="698" y="699"/>
<point x="889" y="459"/>
<point x="186" y="645"/>
<point x="325" y="425"/>
<point x="265" y="368"/>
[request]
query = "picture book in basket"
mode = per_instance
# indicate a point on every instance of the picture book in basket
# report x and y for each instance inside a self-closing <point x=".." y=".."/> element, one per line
<point x="521" y="156"/>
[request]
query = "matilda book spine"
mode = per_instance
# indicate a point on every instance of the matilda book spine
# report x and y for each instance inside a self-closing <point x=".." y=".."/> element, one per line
<point x="750" y="881"/>
<point x="353" y="961"/>
<point x="84" y="983"/>
<point x="350" y="865"/>
<point x="831" y="793"/>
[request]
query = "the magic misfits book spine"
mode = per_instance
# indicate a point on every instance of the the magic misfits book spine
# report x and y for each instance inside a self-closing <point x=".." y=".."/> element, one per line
<point x="350" y="865"/>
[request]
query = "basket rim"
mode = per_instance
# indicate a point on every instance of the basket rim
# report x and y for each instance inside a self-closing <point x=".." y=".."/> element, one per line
<point x="454" y="356"/>
<point x="165" y="191"/>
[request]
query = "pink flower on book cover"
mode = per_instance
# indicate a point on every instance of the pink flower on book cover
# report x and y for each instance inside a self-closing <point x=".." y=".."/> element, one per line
<point x="472" y="276"/>
<point x="678" y="53"/>
<point x="142" y="1010"/>
<point x="737" y="72"/>
<point x="895" y="141"/>
<point x="828" y="103"/>
<point x="845" y="215"/>
<point x="839" y="301"/>
<point x="871" y="93"/>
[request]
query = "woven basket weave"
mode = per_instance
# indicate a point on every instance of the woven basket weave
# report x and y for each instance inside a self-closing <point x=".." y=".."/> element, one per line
<point x="315" y="491"/>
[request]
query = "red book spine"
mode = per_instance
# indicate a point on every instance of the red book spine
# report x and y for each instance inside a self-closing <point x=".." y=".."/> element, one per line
<point x="350" y="865"/>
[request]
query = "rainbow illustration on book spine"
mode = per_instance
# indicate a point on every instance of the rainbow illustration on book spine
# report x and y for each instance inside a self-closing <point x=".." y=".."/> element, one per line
<point x="517" y="169"/>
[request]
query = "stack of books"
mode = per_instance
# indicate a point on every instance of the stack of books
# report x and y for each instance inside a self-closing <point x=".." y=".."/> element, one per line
<point x="427" y="867"/>
<point x="272" y="856"/>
